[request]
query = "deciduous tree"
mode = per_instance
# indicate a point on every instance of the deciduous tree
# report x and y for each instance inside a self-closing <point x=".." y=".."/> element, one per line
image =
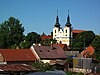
<point x="11" y="33"/>
<point x="96" y="45"/>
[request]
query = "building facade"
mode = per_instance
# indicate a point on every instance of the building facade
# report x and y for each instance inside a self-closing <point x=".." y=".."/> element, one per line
<point x="63" y="36"/>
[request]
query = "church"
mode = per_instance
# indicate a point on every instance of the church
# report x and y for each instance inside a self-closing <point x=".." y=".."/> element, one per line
<point x="62" y="35"/>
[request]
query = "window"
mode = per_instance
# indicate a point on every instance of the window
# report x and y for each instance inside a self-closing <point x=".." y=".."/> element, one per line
<point x="66" y="31"/>
<point x="55" y="31"/>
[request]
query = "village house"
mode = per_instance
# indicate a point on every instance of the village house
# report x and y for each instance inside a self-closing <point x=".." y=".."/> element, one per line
<point x="47" y="54"/>
<point x="16" y="61"/>
<point x="17" y="56"/>
<point x="89" y="51"/>
<point x="63" y="46"/>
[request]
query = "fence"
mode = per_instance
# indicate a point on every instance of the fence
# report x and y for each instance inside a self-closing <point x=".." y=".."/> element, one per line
<point x="86" y="64"/>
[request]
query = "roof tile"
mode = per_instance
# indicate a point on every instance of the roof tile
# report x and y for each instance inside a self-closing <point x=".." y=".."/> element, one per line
<point x="17" y="54"/>
<point x="47" y="52"/>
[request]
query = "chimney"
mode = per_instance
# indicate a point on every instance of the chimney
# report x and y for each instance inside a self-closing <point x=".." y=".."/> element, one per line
<point x="39" y="44"/>
<point x="33" y="44"/>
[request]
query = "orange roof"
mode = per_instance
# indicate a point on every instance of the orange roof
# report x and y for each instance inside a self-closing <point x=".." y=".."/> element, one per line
<point x="17" y="54"/>
<point x="46" y="37"/>
<point x="89" y="50"/>
<point x="78" y="31"/>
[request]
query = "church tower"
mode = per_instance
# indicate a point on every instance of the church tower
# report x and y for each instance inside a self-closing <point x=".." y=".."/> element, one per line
<point x="56" y="27"/>
<point x="68" y="29"/>
<point x="63" y="36"/>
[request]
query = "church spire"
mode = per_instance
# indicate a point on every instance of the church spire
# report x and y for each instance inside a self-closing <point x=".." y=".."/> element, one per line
<point x="57" y="21"/>
<point x="68" y="21"/>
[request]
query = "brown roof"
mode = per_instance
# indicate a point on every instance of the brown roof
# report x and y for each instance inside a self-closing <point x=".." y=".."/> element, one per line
<point x="78" y="31"/>
<point x="61" y="45"/>
<point x="48" y="52"/>
<point x="17" y="54"/>
<point x="16" y="67"/>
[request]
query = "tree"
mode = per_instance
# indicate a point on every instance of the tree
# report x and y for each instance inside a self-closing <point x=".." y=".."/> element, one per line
<point x="31" y="38"/>
<point x="83" y="40"/>
<point x="96" y="45"/>
<point x="11" y="33"/>
<point x="43" y="34"/>
<point x="40" y="66"/>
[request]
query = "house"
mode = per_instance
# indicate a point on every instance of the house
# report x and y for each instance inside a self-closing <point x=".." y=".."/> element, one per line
<point x="87" y="52"/>
<point x="63" y="46"/>
<point x="16" y="69"/>
<point x="46" y="37"/>
<point x="48" y="53"/>
<point x="17" y="56"/>
<point x="46" y="40"/>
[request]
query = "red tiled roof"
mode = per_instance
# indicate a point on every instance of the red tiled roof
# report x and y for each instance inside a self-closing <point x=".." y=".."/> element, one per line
<point x="46" y="37"/>
<point x="16" y="67"/>
<point x="78" y="31"/>
<point x="17" y="54"/>
<point x="88" y="51"/>
<point x="46" y="52"/>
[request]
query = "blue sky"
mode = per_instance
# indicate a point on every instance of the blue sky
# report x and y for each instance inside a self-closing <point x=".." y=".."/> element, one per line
<point x="39" y="15"/>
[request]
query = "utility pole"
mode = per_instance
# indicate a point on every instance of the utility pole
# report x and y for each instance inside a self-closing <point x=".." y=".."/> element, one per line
<point x="84" y="43"/>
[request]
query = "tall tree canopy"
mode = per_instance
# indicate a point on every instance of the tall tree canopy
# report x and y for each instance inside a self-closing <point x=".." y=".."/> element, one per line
<point x="11" y="33"/>
<point x="83" y="40"/>
<point x="31" y="38"/>
<point x="96" y="45"/>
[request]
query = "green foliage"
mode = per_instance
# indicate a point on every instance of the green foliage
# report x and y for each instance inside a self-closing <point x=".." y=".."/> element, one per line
<point x="96" y="45"/>
<point x="11" y="33"/>
<point x="40" y="66"/>
<point x="69" y="60"/>
<point x="43" y="34"/>
<point x="83" y="40"/>
<point x="25" y="44"/>
<point x="31" y="38"/>
<point x="51" y="33"/>
<point x="47" y="42"/>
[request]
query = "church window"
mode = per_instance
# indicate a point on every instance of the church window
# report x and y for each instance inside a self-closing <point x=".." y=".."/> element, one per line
<point x="55" y="31"/>
<point x="66" y="31"/>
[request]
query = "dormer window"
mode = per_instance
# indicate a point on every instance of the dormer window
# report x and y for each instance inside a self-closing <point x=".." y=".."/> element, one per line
<point x="48" y="50"/>
<point x="40" y="50"/>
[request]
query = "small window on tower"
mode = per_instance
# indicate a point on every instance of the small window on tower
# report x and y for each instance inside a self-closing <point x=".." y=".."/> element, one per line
<point x="55" y="31"/>
<point x="66" y="31"/>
